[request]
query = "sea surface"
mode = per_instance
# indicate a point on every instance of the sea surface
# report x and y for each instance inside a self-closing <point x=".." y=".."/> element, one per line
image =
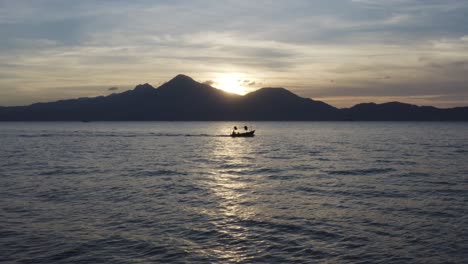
<point x="184" y="192"/>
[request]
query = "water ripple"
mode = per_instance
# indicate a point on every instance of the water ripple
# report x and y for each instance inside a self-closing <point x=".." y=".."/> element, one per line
<point x="169" y="192"/>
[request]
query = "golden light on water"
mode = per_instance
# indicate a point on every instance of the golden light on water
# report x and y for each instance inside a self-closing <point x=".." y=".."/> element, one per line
<point x="233" y="196"/>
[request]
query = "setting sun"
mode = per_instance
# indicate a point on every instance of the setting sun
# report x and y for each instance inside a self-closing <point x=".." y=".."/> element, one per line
<point x="231" y="83"/>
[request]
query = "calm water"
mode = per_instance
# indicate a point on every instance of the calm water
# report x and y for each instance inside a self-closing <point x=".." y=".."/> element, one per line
<point x="182" y="192"/>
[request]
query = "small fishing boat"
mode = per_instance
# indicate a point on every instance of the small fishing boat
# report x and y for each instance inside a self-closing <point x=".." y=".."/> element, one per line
<point x="247" y="133"/>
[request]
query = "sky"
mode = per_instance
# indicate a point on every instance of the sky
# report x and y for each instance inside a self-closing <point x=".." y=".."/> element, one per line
<point x="342" y="52"/>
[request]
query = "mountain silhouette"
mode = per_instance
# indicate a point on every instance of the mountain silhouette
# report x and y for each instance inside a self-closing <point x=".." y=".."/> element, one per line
<point x="396" y="111"/>
<point x="281" y="104"/>
<point x="184" y="99"/>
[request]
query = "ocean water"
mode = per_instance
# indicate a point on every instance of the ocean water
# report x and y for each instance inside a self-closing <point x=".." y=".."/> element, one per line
<point x="183" y="192"/>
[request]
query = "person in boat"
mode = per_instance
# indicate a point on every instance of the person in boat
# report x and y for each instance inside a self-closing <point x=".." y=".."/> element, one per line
<point x="236" y="131"/>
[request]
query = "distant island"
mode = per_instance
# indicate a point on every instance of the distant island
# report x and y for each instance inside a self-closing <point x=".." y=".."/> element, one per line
<point x="184" y="99"/>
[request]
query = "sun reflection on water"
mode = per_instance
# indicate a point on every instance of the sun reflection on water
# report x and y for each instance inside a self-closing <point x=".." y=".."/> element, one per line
<point x="233" y="192"/>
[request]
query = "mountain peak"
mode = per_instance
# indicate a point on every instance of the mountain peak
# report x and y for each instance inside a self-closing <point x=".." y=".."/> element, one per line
<point x="273" y="91"/>
<point x="180" y="84"/>
<point x="144" y="87"/>
<point x="181" y="78"/>
<point x="181" y="81"/>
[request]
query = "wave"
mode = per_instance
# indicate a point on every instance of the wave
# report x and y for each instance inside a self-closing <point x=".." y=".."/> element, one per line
<point x="360" y="171"/>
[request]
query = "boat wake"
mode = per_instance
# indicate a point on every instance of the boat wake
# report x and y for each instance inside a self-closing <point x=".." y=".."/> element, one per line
<point x="200" y="135"/>
<point x="74" y="134"/>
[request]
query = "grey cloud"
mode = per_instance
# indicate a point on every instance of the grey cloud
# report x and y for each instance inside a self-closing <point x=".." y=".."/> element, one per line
<point x="384" y="78"/>
<point x="295" y="21"/>
<point x="265" y="63"/>
<point x="62" y="38"/>
<point x="451" y="66"/>
<point x="374" y="89"/>
<point x="99" y="59"/>
<point x="8" y="75"/>
<point x="113" y="88"/>
<point x="64" y="32"/>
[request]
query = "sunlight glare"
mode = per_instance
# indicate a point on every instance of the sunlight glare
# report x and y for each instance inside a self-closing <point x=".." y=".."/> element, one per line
<point x="231" y="83"/>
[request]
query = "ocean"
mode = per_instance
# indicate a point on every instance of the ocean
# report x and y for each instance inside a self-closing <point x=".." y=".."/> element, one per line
<point x="184" y="192"/>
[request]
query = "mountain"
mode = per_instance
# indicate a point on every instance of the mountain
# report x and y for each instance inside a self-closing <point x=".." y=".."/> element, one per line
<point x="396" y="111"/>
<point x="184" y="99"/>
<point x="281" y="104"/>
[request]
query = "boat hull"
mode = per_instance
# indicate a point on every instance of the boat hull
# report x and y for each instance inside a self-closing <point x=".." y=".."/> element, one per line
<point x="246" y="134"/>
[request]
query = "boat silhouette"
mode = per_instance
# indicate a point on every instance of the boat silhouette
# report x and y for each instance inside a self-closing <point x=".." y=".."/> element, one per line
<point x="247" y="133"/>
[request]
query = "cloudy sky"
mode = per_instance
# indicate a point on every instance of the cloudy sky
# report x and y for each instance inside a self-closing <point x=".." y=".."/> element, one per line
<point x="341" y="51"/>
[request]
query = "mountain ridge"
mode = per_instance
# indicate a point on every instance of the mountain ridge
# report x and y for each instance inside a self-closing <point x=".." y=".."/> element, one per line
<point x="184" y="99"/>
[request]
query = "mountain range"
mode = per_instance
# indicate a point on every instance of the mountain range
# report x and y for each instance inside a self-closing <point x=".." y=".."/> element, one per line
<point x="184" y="99"/>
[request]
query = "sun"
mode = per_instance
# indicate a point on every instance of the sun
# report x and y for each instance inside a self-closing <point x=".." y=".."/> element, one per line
<point x="231" y="83"/>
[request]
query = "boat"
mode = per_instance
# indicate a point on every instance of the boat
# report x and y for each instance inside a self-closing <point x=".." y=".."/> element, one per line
<point x="248" y="133"/>
<point x="244" y="134"/>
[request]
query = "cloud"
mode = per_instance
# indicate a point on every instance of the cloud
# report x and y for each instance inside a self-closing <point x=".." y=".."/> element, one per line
<point x="367" y="47"/>
<point x="384" y="77"/>
<point x="113" y="88"/>
<point x="209" y="82"/>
